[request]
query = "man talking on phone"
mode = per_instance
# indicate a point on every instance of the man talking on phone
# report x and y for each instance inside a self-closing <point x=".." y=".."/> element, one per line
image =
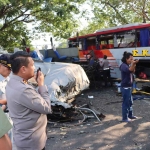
<point x="27" y="107"/>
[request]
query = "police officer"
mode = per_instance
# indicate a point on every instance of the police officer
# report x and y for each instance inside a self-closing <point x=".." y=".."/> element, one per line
<point x="27" y="107"/>
<point x="5" y="70"/>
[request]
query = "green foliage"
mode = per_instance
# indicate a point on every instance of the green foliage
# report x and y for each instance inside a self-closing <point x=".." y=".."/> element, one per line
<point x="109" y="13"/>
<point x="63" y="45"/>
<point x="59" y="17"/>
<point x="54" y="16"/>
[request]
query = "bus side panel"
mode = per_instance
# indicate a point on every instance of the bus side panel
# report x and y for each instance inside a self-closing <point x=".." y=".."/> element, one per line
<point x="115" y="73"/>
<point x="82" y="54"/>
<point x="138" y="53"/>
<point x="114" y="63"/>
<point x="141" y="53"/>
<point x="98" y="53"/>
<point x="115" y="55"/>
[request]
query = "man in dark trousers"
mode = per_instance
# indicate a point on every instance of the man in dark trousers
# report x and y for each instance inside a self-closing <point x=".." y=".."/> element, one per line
<point x="127" y="69"/>
<point x="106" y="70"/>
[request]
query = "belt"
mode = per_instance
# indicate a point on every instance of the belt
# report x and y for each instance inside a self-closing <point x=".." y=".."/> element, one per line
<point x="127" y="87"/>
<point x="106" y="69"/>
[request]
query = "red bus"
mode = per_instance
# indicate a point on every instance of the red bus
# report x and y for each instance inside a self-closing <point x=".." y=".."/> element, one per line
<point x="134" y="38"/>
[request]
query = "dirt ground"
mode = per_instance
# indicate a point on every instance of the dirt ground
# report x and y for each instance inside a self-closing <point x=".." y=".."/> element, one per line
<point x="110" y="134"/>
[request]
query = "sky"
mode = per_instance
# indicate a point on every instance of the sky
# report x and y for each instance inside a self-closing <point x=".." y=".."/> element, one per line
<point x="45" y="40"/>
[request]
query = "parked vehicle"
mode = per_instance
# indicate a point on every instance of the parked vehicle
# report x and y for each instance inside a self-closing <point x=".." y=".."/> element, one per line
<point x="134" y="38"/>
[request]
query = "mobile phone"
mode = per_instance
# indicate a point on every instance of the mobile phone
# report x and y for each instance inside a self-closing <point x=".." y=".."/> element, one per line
<point x="39" y="69"/>
<point x="136" y="59"/>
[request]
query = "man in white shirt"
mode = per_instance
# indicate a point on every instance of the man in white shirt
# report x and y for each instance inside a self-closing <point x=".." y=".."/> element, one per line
<point x="5" y="70"/>
<point x="106" y="70"/>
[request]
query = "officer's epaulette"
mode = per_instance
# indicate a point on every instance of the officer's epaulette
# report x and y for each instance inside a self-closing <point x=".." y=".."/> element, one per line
<point x="25" y="81"/>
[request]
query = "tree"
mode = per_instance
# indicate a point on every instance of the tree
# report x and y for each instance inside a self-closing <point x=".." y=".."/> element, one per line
<point x="55" y="16"/>
<point x="63" y="45"/>
<point x="109" y="13"/>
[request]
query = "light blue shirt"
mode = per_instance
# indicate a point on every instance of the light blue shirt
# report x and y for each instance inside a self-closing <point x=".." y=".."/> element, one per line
<point x="3" y="83"/>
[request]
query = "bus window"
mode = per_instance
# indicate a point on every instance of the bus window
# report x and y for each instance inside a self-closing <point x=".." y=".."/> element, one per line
<point x="80" y="45"/>
<point x="106" y="42"/>
<point x="111" y="41"/>
<point x="126" y="39"/>
<point x="72" y="44"/>
<point x="103" y="44"/>
<point x="110" y="44"/>
<point x="91" y="43"/>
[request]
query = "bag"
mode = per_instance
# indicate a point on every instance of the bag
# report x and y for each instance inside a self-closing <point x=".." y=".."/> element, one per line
<point x="142" y="75"/>
<point x="5" y="124"/>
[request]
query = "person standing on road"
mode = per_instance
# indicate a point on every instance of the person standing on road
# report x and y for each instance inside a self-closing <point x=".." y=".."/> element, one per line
<point x="127" y="69"/>
<point x="5" y="70"/>
<point x="106" y="70"/>
<point x="27" y="107"/>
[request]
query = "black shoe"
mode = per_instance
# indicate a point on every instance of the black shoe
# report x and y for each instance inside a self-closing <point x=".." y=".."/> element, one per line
<point x="133" y="117"/>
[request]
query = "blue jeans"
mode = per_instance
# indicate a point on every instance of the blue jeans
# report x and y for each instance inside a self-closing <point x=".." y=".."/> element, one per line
<point x="127" y="110"/>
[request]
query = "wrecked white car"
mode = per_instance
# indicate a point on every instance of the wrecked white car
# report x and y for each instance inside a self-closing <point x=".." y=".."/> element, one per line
<point x="64" y="81"/>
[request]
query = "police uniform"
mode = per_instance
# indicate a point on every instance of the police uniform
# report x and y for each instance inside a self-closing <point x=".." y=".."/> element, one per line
<point x="28" y="109"/>
<point x="3" y="84"/>
<point x="4" y="60"/>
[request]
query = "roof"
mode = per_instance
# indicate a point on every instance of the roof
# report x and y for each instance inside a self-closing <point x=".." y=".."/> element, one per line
<point x="123" y="27"/>
<point x="115" y="29"/>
